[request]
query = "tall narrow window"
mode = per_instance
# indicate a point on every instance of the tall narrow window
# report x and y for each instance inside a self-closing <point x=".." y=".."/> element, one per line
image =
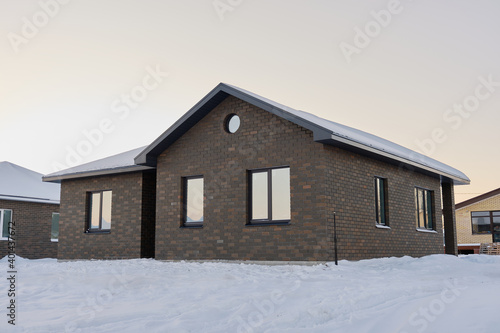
<point x="270" y="195"/>
<point x="54" y="233"/>
<point x="99" y="211"/>
<point x="381" y="201"/>
<point x="5" y="219"/>
<point x="424" y="207"/>
<point x="193" y="201"/>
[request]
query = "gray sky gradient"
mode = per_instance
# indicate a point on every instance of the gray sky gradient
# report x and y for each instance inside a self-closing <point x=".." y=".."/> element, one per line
<point x="424" y="74"/>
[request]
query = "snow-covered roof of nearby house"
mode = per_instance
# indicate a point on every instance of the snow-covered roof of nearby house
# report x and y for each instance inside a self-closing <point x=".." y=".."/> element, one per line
<point x="119" y="163"/>
<point x="21" y="184"/>
<point x="484" y="196"/>
<point x="325" y="131"/>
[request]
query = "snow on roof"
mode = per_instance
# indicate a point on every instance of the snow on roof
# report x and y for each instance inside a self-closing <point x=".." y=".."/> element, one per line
<point x="21" y="184"/>
<point x="123" y="162"/>
<point x="326" y="131"/>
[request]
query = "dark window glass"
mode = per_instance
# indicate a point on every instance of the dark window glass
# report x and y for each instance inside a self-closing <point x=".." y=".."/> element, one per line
<point x="54" y="233"/>
<point x="5" y="219"/>
<point x="270" y="195"/>
<point x="424" y="202"/>
<point x="485" y="222"/>
<point x="381" y="200"/>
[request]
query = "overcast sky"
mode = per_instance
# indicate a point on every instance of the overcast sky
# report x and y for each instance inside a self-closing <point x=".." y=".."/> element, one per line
<point x="82" y="80"/>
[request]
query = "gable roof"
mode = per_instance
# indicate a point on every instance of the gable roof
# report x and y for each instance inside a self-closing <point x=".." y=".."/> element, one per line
<point x="21" y="184"/>
<point x="481" y="197"/>
<point x="118" y="163"/>
<point x="325" y="131"/>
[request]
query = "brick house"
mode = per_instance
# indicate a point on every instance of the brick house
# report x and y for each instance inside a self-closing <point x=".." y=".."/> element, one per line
<point x="478" y="221"/>
<point x="31" y="209"/>
<point x="240" y="177"/>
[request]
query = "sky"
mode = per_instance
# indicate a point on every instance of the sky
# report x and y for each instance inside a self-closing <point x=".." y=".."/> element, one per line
<point x="82" y="80"/>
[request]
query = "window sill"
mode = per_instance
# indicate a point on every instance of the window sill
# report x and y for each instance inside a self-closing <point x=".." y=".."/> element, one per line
<point x="427" y="231"/>
<point x="98" y="232"/>
<point x="54" y="240"/>
<point x="261" y="224"/>
<point x="381" y="226"/>
<point x="194" y="226"/>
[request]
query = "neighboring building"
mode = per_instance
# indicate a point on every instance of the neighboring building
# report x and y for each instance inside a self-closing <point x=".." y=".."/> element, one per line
<point x="478" y="221"/>
<point x="240" y="177"/>
<point x="31" y="208"/>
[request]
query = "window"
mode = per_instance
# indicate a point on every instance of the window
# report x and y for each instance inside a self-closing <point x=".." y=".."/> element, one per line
<point x="424" y="207"/>
<point x="485" y="222"/>
<point x="54" y="233"/>
<point x="5" y="219"/>
<point x="232" y="123"/>
<point x="381" y="201"/>
<point x="99" y="211"/>
<point x="193" y="201"/>
<point x="270" y="195"/>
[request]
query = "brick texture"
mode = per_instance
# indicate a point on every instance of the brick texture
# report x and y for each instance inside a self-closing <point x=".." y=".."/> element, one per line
<point x="33" y="223"/>
<point x="324" y="179"/>
<point x="132" y="226"/>
<point x="464" y="222"/>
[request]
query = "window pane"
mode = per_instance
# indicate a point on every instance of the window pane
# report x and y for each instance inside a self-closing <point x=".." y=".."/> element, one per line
<point x="421" y="210"/>
<point x="194" y="209"/>
<point x="481" y="225"/>
<point x="259" y="196"/>
<point x="428" y="196"/>
<point x="480" y="214"/>
<point x="380" y="199"/>
<point x="7" y="215"/>
<point x="106" y="210"/>
<point x="54" y="234"/>
<point x="95" y="208"/>
<point x="496" y="219"/>
<point x="496" y="213"/>
<point x="281" y="194"/>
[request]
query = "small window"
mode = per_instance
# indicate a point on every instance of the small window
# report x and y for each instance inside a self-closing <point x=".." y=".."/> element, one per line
<point x="193" y="201"/>
<point x="5" y="220"/>
<point x="270" y="195"/>
<point x="485" y="222"/>
<point x="232" y="123"/>
<point x="381" y="201"/>
<point x="99" y="211"/>
<point x="424" y="208"/>
<point x="54" y="233"/>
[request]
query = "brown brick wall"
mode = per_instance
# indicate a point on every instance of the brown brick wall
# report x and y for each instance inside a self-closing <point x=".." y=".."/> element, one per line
<point x="323" y="179"/>
<point x="263" y="140"/>
<point x="124" y="239"/>
<point x="33" y="223"/>
<point x="351" y="194"/>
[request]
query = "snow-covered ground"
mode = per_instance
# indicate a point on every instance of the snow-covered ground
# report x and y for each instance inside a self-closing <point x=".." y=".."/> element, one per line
<point x="432" y="294"/>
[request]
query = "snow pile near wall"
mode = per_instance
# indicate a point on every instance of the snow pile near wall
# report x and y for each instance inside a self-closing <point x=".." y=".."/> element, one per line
<point x="392" y="295"/>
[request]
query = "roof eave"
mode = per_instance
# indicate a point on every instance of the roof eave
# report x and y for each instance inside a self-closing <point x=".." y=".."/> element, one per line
<point x="371" y="151"/>
<point x="104" y="172"/>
